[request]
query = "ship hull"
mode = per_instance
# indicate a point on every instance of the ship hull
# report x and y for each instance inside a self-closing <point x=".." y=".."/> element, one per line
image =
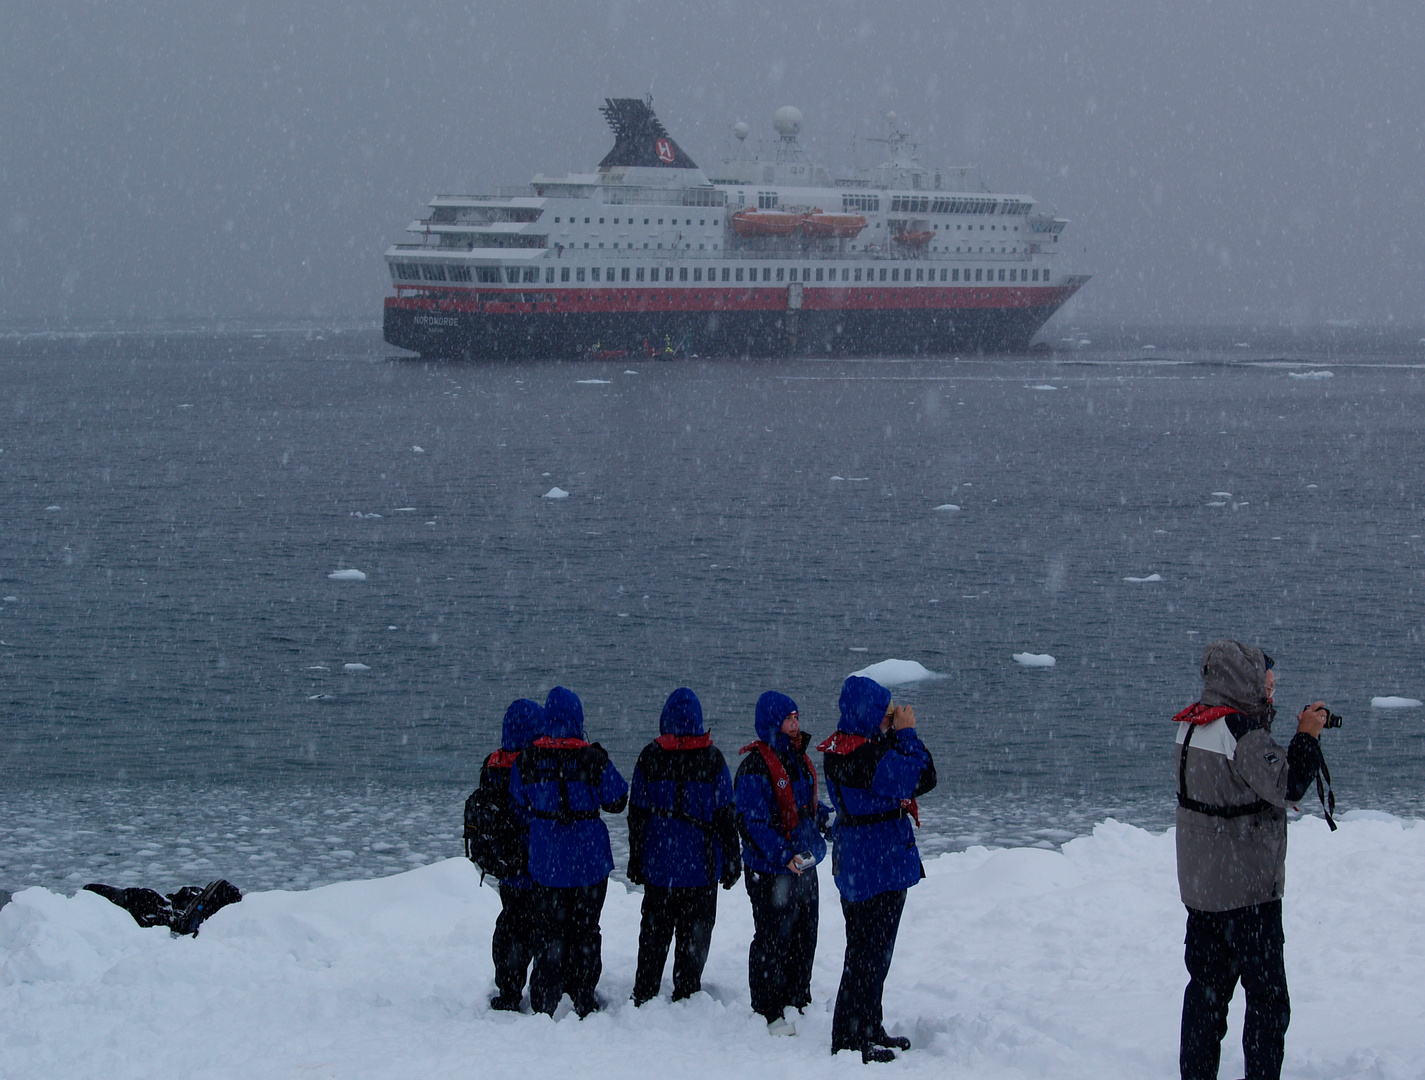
<point x="833" y="322"/>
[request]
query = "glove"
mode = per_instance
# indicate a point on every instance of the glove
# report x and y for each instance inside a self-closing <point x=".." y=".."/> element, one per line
<point x="635" y="872"/>
<point x="729" y="879"/>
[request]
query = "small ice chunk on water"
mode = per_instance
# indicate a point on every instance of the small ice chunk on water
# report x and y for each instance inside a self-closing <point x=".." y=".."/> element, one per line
<point x="838" y="478"/>
<point x="55" y="507"/>
<point x="185" y="406"/>
<point x="404" y="510"/>
<point x="1217" y="504"/>
<point x="1148" y="348"/>
<point x="417" y="450"/>
<point x="1150" y="577"/>
<point x="947" y="506"/>
<point x="1222" y="494"/>
<point x="898" y="672"/>
<point x="629" y="371"/>
<point x="316" y="667"/>
<point x="354" y="667"/>
<point x="318" y="697"/>
<point x="546" y="474"/>
<point x="1311" y="374"/>
<point x="346" y="575"/>
<point x="1241" y="345"/>
<point x="1043" y="386"/>
<point x="858" y="648"/>
<point x="1029" y="659"/>
<point x="1395" y="703"/>
<point x="11" y="599"/>
<point x="594" y="382"/>
<point x="555" y="493"/>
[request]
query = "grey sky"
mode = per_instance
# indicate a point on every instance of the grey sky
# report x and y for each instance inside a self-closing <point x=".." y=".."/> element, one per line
<point x="1257" y="162"/>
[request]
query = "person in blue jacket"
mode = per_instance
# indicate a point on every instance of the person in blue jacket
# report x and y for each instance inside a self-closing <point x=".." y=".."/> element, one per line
<point x="562" y="782"/>
<point x="682" y="841"/>
<point x="875" y="767"/>
<point x="780" y="820"/>
<point x="512" y="945"/>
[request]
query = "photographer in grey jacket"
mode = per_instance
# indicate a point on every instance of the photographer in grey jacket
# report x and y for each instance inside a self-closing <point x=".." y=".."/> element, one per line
<point x="1234" y="783"/>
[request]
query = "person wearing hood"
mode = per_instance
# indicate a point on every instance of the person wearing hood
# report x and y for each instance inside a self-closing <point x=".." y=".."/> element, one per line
<point x="512" y="945"/>
<point x="682" y="841"/>
<point x="876" y="766"/>
<point x="562" y="782"/>
<point x="1234" y="783"/>
<point x="780" y="821"/>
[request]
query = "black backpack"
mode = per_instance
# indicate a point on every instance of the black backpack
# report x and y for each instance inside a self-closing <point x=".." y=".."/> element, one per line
<point x="495" y="841"/>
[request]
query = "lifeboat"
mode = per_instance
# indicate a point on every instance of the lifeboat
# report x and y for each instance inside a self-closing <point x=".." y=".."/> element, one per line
<point x="915" y="238"/>
<point x="832" y="226"/>
<point x="752" y="222"/>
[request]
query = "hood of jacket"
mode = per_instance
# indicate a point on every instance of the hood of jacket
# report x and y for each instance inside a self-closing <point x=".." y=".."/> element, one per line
<point x="1234" y="674"/>
<point x="863" y="706"/>
<point x="524" y="722"/>
<point x="563" y="714"/>
<point x="682" y="714"/>
<point x="772" y="709"/>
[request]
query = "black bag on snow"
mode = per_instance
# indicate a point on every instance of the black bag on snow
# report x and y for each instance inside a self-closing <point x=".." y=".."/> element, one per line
<point x="495" y="841"/>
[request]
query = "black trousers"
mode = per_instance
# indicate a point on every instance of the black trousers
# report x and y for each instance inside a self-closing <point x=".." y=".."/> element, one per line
<point x="785" y="908"/>
<point x="689" y="913"/>
<point x="871" y="928"/>
<point x="512" y="945"/>
<point x="568" y="948"/>
<point x="1223" y="947"/>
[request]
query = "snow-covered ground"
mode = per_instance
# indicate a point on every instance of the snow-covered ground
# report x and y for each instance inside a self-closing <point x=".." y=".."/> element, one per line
<point x="1014" y="962"/>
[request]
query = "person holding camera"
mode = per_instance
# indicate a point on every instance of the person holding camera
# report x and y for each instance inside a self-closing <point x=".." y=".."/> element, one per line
<point x="1234" y="783"/>
<point x="780" y="820"/>
<point x="682" y="842"/>
<point x="875" y="767"/>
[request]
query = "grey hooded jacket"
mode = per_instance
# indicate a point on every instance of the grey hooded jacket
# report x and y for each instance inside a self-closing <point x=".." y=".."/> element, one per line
<point x="1234" y="783"/>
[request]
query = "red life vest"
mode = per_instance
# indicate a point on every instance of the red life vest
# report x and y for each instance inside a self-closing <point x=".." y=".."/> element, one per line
<point x="1198" y="713"/>
<point x="787" y="808"/>
<point x="684" y="742"/>
<point x="502" y="759"/>
<point x="547" y="743"/>
<point x="844" y="742"/>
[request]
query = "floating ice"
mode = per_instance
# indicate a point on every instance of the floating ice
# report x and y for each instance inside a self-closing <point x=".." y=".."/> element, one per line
<point x="555" y="493"/>
<point x="185" y="406"/>
<point x="404" y="510"/>
<point x="316" y="667"/>
<point x="838" y="478"/>
<point x="1222" y="494"/>
<point x="1241" y="345"/>
<point x="1150" y="577"/>
<point x="1217" y="504"/>
<point x="594" y="382"/>
<point x="947" y="506"/>
<point x="354" y="667"/>
<point x="391" y="628"/>
<point x="417" y="450"/>
<point x="629" y="371"/>
<point x="319" y="697"/>
<point x="1311" y="374"/>
<point x="346" y="575"/>
<point x="11" y="599"/>
<point x="857" y="648"/>
<point x="898" y="672"/>
<point x="1030" y="659"/>
<point x="1043" y="386"/>
<point x="546" y="474"/>
<point x="1395" y="703"/>
<point x="1148" y="348"/>
<point x="359" y="514"/>
<point x="55" y="507"/>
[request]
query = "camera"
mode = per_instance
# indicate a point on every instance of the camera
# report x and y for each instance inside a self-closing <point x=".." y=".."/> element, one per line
<point x="1332" y="719"/>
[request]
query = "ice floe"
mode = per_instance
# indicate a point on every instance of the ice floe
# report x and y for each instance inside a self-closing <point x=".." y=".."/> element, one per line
<point x="354" y="667"/>
<point x="1150" y="577"/>
<point x="53" y="507"/>
<point x="1311" y="374"/>
<point x="555" y="493"/>
<point x="346" y="575"/>
<point x="1217" y="504"/>
<point x="947" y="506"/>
<point x="1395" y="703"/>
<point x="1043" y="386"/>
<point x="404" y="510"/>
<point x="417" y="450"/>
<point x="898" y="672"/>
<point x="1222" y="494"/>
<point x="594" y="382"/>
<point x="1030" y="659"/>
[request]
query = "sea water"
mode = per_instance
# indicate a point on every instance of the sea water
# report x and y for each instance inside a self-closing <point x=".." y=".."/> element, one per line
<point x="264" y="596"/>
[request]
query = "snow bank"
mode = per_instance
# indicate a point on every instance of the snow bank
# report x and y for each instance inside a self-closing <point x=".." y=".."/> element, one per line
<point x="1395" y="703"/>
<point x="1029" y="659"/>
<point x="898" y="672"/>
<point x="1012" y="963"/>
<point x="346" y="575"/>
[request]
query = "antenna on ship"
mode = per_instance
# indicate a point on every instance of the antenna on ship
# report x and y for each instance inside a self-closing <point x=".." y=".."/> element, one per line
<point x="788" y="122"/>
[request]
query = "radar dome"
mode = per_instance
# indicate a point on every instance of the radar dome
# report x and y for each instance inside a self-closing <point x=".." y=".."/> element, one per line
<point x="740" y="130"/>
<point x="788" y="121"/>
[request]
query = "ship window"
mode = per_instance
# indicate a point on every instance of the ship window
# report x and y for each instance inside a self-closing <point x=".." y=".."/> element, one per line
<point x="531" y="275"/>
<point x="1001" y="275"/>
<point x="512" y="275"/>
<point x="433" y="273"/>
<point x="919" y="274"/>
<point x="579" y="274"/>
<point x="460" y="273"/>
<point x="645" y="221"/>
<point x="548" y="275"/>
<point x="594" y="273"/>
<point x="942" y="273"/>
<point x="1011" y="275"/>
<point x="623" y="275"/>
<point x="725" y="272"/>
<point x="979" y="275"/>
<point x="779" y="273"/>
<point x="660" y="221"/>
<point x="564" y="273"/>
<point x="487" y="275"/>
<point x="682" y="273"/>
<point x="858" y="273"/>
<point x="586" y="221"/>
<point x="883" y="273"/>
<point x="954" y="275"/>
<point x="556" y="221"/>
<point x="895" y="274"/>
<point x="638" y="274"/>
<point x="738" y="276"/>
<point x="766" y="273"/>
<point x="818" y="274"/>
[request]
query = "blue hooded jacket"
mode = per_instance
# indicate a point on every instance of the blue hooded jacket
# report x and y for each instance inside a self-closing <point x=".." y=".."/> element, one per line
<point x="764" y="848"/>
<point x="682" y="829"/>
<point x="523" y="723"/>
<point x="562" y="782"/>
<point x="874" y="842"/>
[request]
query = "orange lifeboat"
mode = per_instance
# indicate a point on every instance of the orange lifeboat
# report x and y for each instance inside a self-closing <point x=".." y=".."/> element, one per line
<point x="832" y="226"/>
<point x="914" y="238"/>
<point x="751" y="222"/>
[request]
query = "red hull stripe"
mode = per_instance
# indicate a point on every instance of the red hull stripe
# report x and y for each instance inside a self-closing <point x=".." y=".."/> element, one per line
<point x="539" y="301"/>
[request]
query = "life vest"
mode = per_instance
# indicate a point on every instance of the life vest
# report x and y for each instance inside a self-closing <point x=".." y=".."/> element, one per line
<point x="1197" y="714"/>
<point x="787" y="808"/>
<point x="565" y="815"/>
<point x="502" y="759"/>
<point x="684" y="742"/>
<point x="842" y="743"/>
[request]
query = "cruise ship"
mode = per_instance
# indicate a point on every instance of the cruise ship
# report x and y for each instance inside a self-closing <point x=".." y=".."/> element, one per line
<point x="774" y="255"/>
